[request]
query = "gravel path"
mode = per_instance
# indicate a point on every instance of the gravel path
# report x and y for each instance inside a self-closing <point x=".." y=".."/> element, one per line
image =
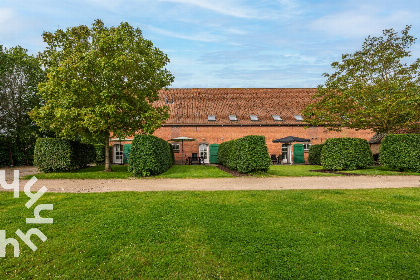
<point x="241" y="183"/>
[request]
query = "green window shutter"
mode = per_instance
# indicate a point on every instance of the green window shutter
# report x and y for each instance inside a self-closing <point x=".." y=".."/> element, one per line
<point x="214" y="148"/>
<point x="298" y="153"/>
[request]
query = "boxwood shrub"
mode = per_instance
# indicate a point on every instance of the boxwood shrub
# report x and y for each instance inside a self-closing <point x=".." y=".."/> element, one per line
<point x="150" y="155"/>
<point x="4" y="151"/>
<point x="346" y="154"/>
<point x="246" y="154"/>
<point x="314" y="156"/>
<point x="99" y="153"/>
<point x="52" y="155"/>
<point x="12" y="153"/>
<point x="400" y="151"/>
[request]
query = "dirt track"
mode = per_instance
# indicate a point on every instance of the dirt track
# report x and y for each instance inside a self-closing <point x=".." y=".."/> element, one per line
<point x="241" y="183"/>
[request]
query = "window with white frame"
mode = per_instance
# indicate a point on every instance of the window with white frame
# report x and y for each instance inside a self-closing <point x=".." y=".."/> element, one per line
<point x="306" y="146"/>
<point x="175" y="147"/>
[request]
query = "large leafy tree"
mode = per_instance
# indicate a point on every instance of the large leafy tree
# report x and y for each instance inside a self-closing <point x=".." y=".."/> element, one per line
<point x="20" y="74"/>
<point x="101" y="81"/>
<point x="374" y="88"/>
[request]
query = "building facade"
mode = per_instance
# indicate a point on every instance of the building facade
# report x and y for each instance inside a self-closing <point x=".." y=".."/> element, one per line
<point x="215" y="115"/>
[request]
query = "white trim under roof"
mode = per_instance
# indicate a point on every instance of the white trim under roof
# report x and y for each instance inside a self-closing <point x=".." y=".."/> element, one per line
<point x="118" y="140"/>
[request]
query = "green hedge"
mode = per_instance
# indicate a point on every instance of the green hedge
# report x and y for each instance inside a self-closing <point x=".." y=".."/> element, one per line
<point x="52" y="155"/>
<point x="401" y="151"/>
<point x="150" y="155"/>
<point x="346" y="154"/>
<point x="4" y="152"/>
<point x="19" y="155"/>
<point x="246" y="154"/>
<point x="99" y="153"/>
<point x="314" y="156"/>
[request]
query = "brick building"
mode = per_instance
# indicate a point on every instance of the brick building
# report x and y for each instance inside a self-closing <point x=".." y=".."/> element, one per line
<point x="214" y="115"/>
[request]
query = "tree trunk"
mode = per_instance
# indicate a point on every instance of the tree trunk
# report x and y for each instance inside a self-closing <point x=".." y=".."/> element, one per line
<point x="107" y="162"/>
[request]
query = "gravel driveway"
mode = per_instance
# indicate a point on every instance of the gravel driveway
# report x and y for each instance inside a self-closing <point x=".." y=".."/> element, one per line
<point x="241" y="183"/>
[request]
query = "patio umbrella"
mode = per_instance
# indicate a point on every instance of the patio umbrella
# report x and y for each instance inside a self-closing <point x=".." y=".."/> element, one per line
<point x="290" y="139"/>
<point x="182" y="139"/>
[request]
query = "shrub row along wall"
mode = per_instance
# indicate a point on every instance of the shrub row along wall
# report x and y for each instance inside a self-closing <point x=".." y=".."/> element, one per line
<point x="53" y="154"/>
<point x="314" y="156"/>
<point x="246" y="154"/>
<point x="346" y="154"/>
<point x="150" y="155"/>
<point x="401" y="151"/>
<point x="12" y="153"/>
<point x="5" y="159"/>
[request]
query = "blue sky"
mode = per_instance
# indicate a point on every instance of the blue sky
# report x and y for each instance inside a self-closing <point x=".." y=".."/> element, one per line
<point x="226" y="43"/>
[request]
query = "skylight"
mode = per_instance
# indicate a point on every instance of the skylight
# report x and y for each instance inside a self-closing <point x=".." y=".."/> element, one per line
<point x="233" y="118"/>
<point x="253" y="117"/>
<point x="211" y="118"/>
<point x="298" y="117"/>
<point x="277" y="118"/>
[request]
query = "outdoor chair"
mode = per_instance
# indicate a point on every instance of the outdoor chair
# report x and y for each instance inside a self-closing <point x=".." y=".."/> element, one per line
<point x="274" y="159"/>
<point x="195" y="159"/>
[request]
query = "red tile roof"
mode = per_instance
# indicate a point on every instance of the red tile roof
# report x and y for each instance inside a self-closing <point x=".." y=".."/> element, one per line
<point x="193" y="106"/>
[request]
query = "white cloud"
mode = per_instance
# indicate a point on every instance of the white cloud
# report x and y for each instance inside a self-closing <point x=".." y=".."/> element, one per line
<point x="366" y="20"/>
<point x="219" y="6"/>
<point x="9" y="22"/>
<point x="225" y="7"/>
<point x="6" y="14"/>
<point x="201" y="37"/>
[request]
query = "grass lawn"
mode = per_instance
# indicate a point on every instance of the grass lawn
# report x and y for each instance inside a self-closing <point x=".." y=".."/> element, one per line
<point x="93" y="172"/>
<point x="294" y="171"/>
<point x="194" y="171"/>
<point x="322" y="234"/>
<point x="209" y="171"/>
<point x="120" y="172"/>
<point x="380" y="170"/>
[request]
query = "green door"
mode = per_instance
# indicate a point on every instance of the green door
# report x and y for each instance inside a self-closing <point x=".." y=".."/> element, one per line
<point x="126" y="152"/>
<point x="299" y="153"/>
<point x="214" y="148"/>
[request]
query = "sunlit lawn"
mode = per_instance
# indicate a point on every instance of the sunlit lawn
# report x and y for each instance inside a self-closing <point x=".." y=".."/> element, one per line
<point x="93" y="172"/>
<point x="194" y="171"/>
<point x="121" y="172"/>
<point x="210" y="171"/>
<point x="322" y="234"/>
<point x="295" y="171"/>
<point x="380" y="170"/>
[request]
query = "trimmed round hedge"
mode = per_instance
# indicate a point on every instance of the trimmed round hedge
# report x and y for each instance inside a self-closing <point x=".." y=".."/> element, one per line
<point x="400" y="151"/>
<point x="150" y="155"/>
<point x="245" y="155"/>
<point x="346" y="154"/>
<point x="314" y="156"/>
<point x="52" y="154"/>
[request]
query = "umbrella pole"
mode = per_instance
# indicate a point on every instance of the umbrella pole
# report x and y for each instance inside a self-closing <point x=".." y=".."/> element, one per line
<point x="182" y="154"/>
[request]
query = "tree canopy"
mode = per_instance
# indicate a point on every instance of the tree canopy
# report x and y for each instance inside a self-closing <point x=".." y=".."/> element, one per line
<point x="100" y="81"/>
<point x="374" y="88"/>
<point x="20" y="74"/>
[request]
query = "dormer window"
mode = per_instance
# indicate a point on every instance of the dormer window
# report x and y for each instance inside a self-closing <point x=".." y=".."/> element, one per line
<point x="298" y="117"/>
<point x="211" y="118"/>
<point x="277" y="118"/>
<point x="253" y="117"/>
<point x="171" y="101"/>
<point x="233" y="118"/>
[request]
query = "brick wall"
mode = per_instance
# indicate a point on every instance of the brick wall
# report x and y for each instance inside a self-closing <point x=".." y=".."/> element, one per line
<point x="219" y="134"/>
